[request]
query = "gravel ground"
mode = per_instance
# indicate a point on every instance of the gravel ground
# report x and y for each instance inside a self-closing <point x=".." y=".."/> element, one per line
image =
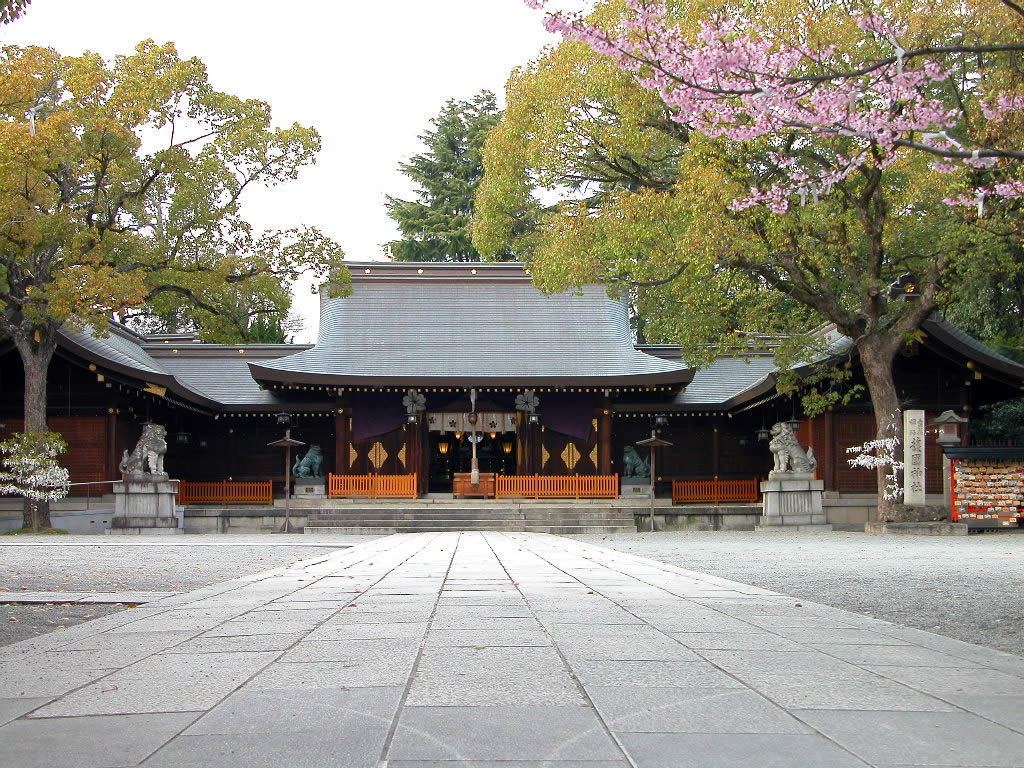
<point x="93" y="564"/>
<point x="968" y="588"/>
<point x="20" y="622"/>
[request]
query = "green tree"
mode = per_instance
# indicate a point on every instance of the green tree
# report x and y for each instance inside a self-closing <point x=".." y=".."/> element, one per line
<point x="266" y="330"/>
<point x="991" y="307"/>
<point x="436" y="226"/>
<point x="653" y="207"/>
<point x="581" y="132"/>
<point x="120" y="186"/>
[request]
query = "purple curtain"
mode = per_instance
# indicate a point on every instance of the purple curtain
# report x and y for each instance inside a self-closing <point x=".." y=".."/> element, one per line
<point x="376" y="413"/>
<point x="570" y="413"/>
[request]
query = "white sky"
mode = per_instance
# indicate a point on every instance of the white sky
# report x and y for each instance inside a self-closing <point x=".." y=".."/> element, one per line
<point x="368" y="75"/>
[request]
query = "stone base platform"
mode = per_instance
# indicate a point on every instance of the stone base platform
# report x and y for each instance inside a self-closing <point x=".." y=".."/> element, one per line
<point x="916" y="529"/>
<point x="309" y="488"/>
<point x="771" y="525"/>
<point x="135" y="530"/>
<point x="792" y="500"/>
<point x="145" y="505"/>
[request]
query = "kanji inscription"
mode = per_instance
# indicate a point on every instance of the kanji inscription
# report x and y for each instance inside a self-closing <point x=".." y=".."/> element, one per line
<point x="913" y="457"/>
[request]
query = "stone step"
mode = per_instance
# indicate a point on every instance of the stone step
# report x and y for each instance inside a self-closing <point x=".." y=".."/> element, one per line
<point x="416" y="516"/>
<point x="470" y="502"/>
<point x="563" y="530"/>
<point x="479" y="522"/>
<point x="489" y="510"/>
<point x="411" y="518"/>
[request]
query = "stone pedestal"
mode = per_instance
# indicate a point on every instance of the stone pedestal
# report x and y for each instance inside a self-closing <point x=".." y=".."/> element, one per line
<point x="309" y="488"/>
<point x="145" y="505"/>
<point x="635" y="488"/>
<point x="792" y="500"/>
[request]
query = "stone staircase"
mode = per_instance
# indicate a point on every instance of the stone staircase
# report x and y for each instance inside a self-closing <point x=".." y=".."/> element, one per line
<point x="411" y="517"/>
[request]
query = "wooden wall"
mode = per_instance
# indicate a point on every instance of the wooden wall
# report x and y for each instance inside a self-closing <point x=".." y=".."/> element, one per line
<point x="852" y="429"/>
<point x="87" y="439"/>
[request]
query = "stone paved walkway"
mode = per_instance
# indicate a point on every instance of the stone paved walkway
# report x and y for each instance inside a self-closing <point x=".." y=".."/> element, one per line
<point x="512" y="650"/>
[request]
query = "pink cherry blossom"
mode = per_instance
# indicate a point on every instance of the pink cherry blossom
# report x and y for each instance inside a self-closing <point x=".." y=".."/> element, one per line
<point x="737" y="80"/>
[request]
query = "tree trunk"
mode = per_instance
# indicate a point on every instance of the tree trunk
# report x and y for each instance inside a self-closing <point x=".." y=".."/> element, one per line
<point x="876" y="357"/>
<point x="35" y="358"/>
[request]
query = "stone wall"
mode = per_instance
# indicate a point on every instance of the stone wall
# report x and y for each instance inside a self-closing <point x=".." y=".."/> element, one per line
<point x="695" y="518"/>
<point x="240" y="519"/>
<point x="849" y="511"/>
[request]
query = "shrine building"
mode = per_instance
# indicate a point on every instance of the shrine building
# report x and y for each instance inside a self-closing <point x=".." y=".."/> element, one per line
<point x="425" y="364"/>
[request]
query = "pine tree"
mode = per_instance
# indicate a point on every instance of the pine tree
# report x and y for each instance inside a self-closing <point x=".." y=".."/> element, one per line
<point x="436" y="226"/>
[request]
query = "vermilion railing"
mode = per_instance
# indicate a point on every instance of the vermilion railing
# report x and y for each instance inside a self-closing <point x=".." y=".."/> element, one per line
<point x="714" y="491"/>
<point x="372" y="486"/>
<point x="227" y="492"/>
<point x="558" y="486"/>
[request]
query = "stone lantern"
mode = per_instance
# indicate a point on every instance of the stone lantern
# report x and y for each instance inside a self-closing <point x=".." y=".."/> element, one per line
<point x="949" y="435"/>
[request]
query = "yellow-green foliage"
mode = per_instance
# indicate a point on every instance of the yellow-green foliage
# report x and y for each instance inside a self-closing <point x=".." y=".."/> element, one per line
<point x="126" y="190"/>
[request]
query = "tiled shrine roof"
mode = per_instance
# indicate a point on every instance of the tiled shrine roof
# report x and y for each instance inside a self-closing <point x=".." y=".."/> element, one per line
<point x="462" y="325"/>
<point x="470" y="325"/>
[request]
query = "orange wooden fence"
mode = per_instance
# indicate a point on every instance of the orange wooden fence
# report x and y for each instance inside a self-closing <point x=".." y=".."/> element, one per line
<point x="558" y="486"/>
<point x="714" y="491"/>
<point x="373" y="486"/>
<point x="224" y="493"/>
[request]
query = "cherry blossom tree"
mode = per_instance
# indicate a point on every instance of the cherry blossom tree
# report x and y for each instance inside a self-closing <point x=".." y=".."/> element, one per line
<point x="830" y="147"/>
<point x="31" y="470"/>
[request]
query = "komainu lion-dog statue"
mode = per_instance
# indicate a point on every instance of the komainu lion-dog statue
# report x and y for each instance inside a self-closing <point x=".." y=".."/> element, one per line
<point x="149" y="451"/>
<point x="788" y="455"/>
<point x="310" y="465"/>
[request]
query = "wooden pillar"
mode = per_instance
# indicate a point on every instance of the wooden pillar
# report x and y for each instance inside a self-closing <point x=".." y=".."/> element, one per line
<point x="523" y="444"/>
<point x="828" y="464"/>
<point x="425" y="455"/>
<point x="110" y="471"/>
<point x="716" y="452"/>
<point x="414" y="453"/>
<point x="604" y="440"/>
<point x="341" y="440"/>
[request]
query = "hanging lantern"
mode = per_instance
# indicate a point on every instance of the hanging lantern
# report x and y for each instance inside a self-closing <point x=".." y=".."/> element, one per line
<point x="507" y="446"/>
<point x="763" y="434"/>
<point x="443" y="447"/>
